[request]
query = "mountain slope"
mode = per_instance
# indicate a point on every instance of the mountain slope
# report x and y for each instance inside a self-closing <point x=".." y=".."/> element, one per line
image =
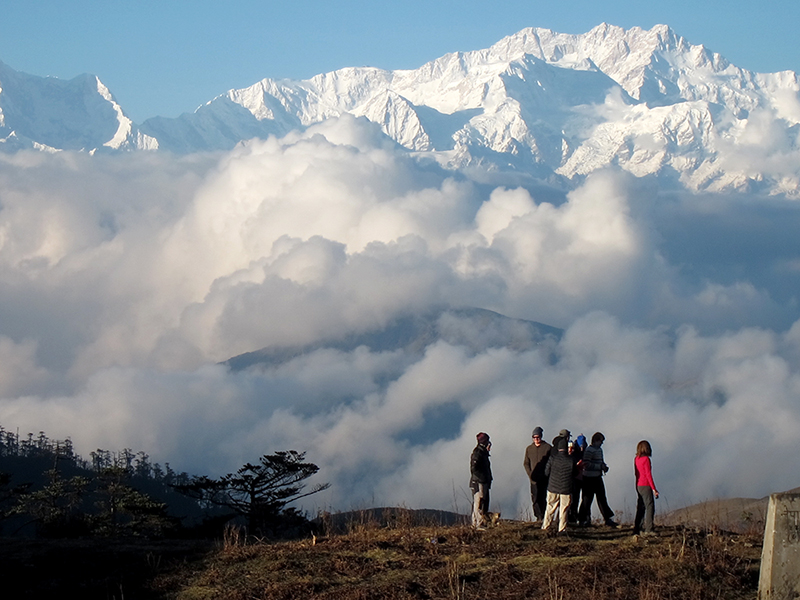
<point x="475" y="329"/>
<point x="538" y="103"/>
<point x="727" y="514"/>
<point x="541" y="102"/>
<point x="46" y="113"/>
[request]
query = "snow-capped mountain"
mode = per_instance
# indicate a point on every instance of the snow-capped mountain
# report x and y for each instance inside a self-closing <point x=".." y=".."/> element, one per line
<point x="541" y="103"/>
<point x="46" y="113"/>
<point x="544" y="103"/>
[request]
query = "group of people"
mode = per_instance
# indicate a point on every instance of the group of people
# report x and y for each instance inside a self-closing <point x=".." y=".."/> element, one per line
<point x="565" y="478"/>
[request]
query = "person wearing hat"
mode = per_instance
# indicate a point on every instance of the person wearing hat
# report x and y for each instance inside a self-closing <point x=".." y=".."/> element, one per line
<point x="559" y="482"/>
<point x="594" y="469"/>
<point x="480" y="481"/>
<point x="535" y="461"/>
<point x="564" y="433"/>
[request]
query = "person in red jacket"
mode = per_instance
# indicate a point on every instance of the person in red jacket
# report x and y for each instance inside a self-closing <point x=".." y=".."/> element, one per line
<point x="646" y="491"/>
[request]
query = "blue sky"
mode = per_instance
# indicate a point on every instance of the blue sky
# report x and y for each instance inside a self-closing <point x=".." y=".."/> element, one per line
<point x="167" y="57"/>
<point x="126" y="277"/>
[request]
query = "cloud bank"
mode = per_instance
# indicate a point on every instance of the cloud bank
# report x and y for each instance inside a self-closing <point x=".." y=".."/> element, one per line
<point x="125" y="280"/>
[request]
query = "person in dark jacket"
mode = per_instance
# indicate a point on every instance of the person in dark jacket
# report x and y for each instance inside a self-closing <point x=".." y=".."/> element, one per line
<point x="576" y="454"/>
<point x="594" y="467"/>
<point x="480" y="481"/>
<point x="535" y="460"/>
<point x="559" y="482"/>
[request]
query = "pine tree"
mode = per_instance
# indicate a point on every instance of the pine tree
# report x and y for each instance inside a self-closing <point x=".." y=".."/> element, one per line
<point x="260" y="492"/>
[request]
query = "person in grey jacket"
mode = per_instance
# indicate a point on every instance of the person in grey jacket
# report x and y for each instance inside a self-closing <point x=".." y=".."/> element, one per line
<point x="594" y="467"/>
<point x="535" y="460"/>
<point x="559" y="483"/>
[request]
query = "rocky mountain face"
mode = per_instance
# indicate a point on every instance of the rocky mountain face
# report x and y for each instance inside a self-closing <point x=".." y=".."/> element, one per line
<point x="541" y="103"/>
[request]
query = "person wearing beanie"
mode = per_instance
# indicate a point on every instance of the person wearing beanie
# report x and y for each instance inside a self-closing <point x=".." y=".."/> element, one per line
<point x="594" y="467"/>
<point x="535" y="461"/>
<point x="480" y="481"/>
<point x="559" y="483"/>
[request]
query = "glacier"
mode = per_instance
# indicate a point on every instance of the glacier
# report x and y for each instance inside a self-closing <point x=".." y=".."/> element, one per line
<point x="540" y="104"/>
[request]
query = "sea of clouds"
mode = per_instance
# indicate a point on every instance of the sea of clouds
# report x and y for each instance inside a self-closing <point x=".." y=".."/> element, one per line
<point x="126" y="279"/>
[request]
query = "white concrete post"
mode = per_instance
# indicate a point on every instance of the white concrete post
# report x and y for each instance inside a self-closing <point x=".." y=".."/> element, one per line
<point x="779" y="578"/>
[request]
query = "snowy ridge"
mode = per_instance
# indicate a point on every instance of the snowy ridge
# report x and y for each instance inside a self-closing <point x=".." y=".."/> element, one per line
<point x="547" y="104"/>
<point x="538" y="103"/>
<point x="45" y="113"/>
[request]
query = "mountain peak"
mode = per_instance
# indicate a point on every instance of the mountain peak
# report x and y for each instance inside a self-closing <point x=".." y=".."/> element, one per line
<point x="539" y="103"/>
<point x="75" y="114"/>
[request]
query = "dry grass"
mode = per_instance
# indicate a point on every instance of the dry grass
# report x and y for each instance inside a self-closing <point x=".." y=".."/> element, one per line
<point x="513" y="560"/>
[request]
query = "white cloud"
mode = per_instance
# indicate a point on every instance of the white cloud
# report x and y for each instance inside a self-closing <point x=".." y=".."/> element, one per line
<point x="124" y="279"/>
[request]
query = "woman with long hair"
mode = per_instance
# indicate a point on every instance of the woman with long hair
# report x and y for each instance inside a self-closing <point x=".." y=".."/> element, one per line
<point x="646" y="491"/>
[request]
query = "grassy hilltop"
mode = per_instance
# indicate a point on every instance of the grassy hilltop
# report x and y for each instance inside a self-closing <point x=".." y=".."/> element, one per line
<point x="513" y="560"/>
<point x="398" y="560"/>
<point x="94" y="530"/>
